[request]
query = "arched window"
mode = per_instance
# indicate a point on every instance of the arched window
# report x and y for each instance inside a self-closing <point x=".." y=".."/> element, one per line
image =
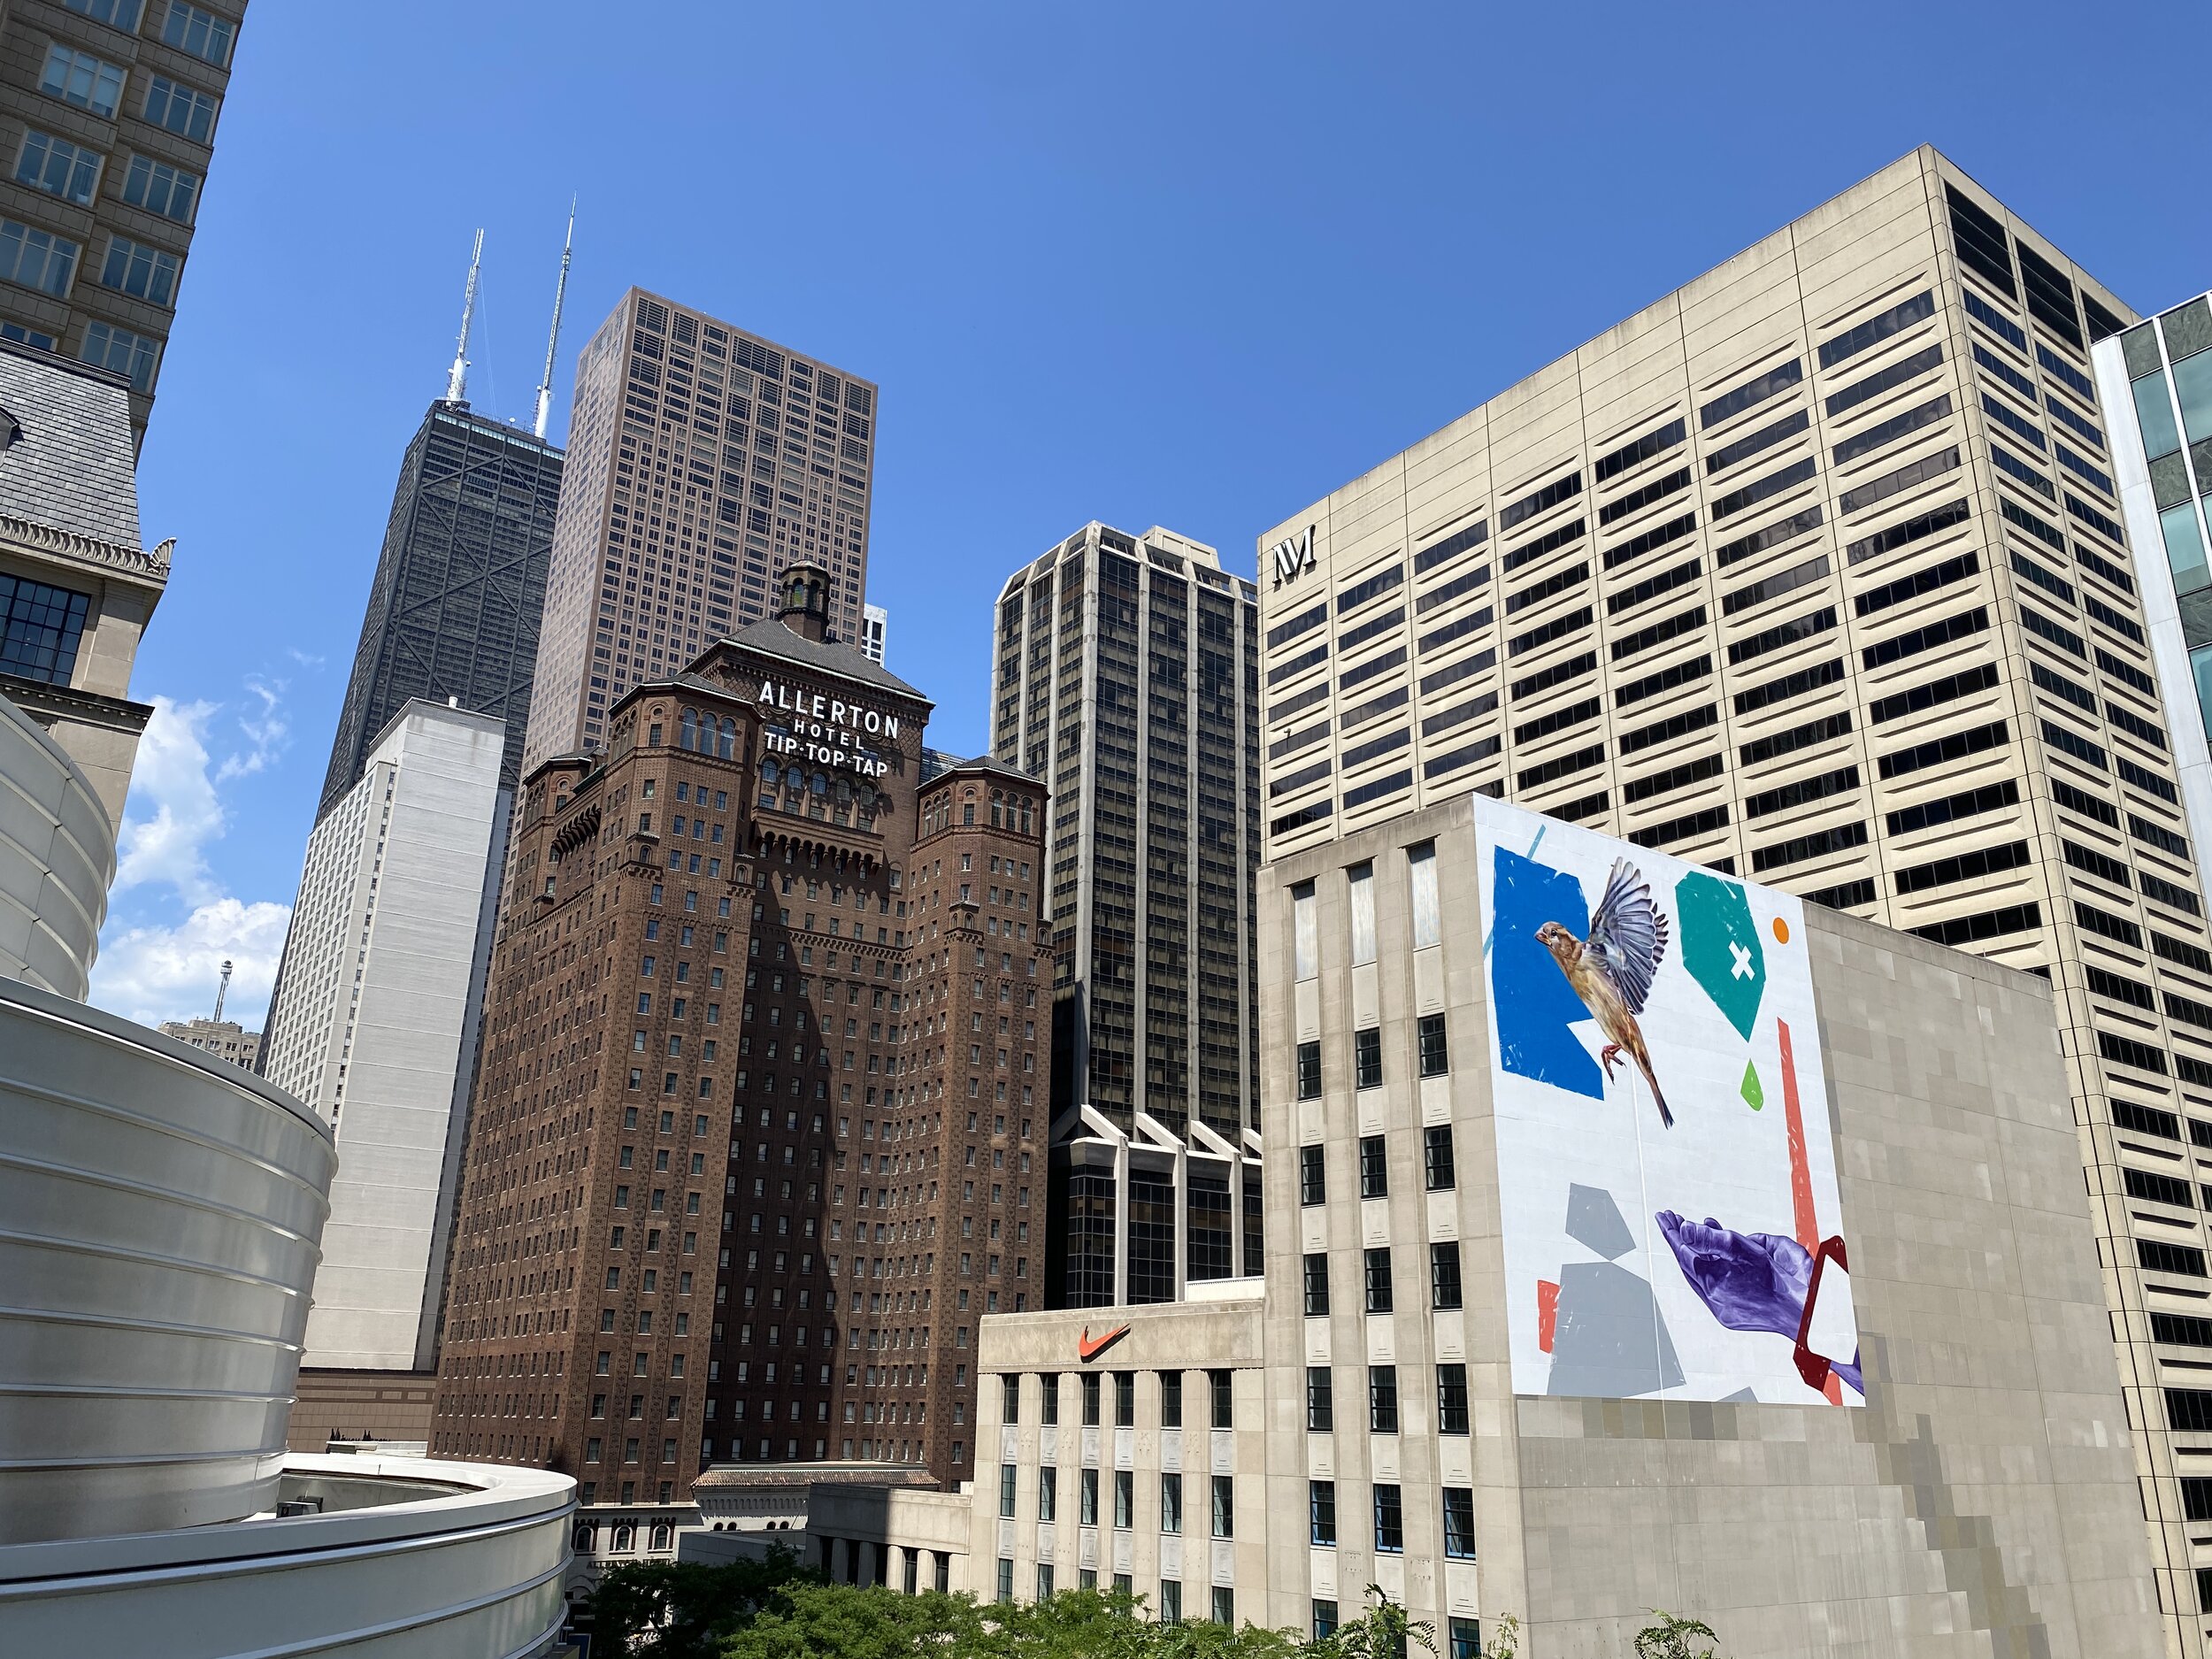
<point x="687" y="730"/>
<point x="625" y="1537"/>
<point x="663" y="1535"/>
<point x="997" y="801"/>
<point x="585" y="1537"/>
<point x="725" y="745"/>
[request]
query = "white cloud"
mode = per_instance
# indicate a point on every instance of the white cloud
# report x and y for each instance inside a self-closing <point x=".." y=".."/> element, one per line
<point x="150" y="968"/>
<point x="170" y="776"/>
<point x="152" y="973"/>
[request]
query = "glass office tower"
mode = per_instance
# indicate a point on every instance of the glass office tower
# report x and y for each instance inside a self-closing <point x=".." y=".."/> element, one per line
<point x="1125" y="674"/>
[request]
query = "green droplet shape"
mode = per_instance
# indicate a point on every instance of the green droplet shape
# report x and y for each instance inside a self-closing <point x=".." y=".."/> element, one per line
<point x="1720" y="946"/>
<point x="1754" y="1096"/>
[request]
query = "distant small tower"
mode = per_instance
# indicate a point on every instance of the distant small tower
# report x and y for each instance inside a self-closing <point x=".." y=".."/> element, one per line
<point x="221" y="991"/>
<point x="806" y="593"/>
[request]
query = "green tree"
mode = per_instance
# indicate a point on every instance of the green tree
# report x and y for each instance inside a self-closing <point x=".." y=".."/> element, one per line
<point x="667" y="1609"/>
<point x="1668" y="1636"/>
<point x="1386" y="1631"/>
<point x="843" y="1621"/>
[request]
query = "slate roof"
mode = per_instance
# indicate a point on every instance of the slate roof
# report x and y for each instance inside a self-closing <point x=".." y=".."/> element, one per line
<point x="72" y="466"/>
<point x="992" y="763"/>
<point x="773" y="638"/>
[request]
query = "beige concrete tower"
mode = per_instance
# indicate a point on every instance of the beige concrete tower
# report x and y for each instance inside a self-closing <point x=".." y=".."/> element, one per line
<point x="702" y="461"/>
<point x="1814" y="571"/>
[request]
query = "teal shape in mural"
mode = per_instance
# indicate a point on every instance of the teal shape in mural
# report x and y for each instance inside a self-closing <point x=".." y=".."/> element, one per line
<point x="1720" y="946"/>
<point x="1753" y="1096"/>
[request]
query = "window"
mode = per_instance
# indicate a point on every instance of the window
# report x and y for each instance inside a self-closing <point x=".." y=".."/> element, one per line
<point x="1378" y="1296"/>
<point x="1048" y="1398"/>
<point x="206" y="36"/>
<point x="1374" y="1168"/>
<point x="58" y="167"/>
<point x="1090" y="1400"/>
<point x="39" y="629"/>
<point x="1124" y="1499"/>
<point x="1044" y="1580"/>
<point x="143" y="273"/>
<point x="1317" y="1282"/>
<point x="1390" y="1521"/>
<point x="1451" y="1399"/>
<point x="1382" y="1398"/>
<point x="1225" y="1517"/>
<point x="122" y="14"/>
<point x="1124" y="1398"/>
<point x="1459" y="1523"/>
<point x="1171" y="1400"/>
<point x="1087" y="1498"/>
<point x="1367" y="1058"/>
<point x="1171" y="1504"/>
<point x="161" y="188"/>
<point x="1171" y="1602"/>
<point x="1006" y="1477"/>
<point x="1309" y="1071"/>
<point x="1306" y="929"/>
<point x="1218" y="1384"/>
<point x="1444" y="1275"/>
<point x="1313" y="1182"/>
<point x="1321" y="1400"/>
<point x="1427" y="917"/>
<point x="1005" y="1580"/>
<point x="80" y="78"/>
<point x="1010" y="1410"/>
<point x="1325" y="1621"/>
<point x="184" y="110"/>
<point x="1436" y="1158"/>
<point x="1436" y="1059"/>
<point x="1321" y="1512"/>
<point x="1360" y="885"/>
<point x="34" y="258"/>
<point x="1048" y="1493"/>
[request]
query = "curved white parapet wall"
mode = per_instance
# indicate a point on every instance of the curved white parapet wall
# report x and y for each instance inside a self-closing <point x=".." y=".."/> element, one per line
<point x="161" y="1214"/>
<point x="408" y="1559"/>
<point x="56" y="858"/>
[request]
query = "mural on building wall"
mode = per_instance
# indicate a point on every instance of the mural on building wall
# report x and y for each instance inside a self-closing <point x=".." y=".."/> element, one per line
<point x="1667" y="1185"/>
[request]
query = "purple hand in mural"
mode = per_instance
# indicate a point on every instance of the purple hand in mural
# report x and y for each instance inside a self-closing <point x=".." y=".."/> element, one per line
<point x="1749" y="1281"/>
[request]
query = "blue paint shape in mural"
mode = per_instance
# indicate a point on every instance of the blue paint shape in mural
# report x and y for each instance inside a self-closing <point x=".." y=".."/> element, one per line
<point x="1535" y="1005"/>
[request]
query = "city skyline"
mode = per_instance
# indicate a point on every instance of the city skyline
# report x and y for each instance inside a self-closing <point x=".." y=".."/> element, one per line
<point x="1324" y="407"/>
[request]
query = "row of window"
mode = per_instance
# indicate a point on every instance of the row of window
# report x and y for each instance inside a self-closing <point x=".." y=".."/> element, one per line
<point x="1379" y="1293"/>
<point x="1218" y="1394"/>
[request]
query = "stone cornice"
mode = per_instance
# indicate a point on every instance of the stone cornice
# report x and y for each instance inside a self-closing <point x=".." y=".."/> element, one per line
<point x="144" y="565"/>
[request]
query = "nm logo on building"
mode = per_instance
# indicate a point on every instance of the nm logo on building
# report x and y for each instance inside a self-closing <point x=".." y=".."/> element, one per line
<point x="1291" y="556"/>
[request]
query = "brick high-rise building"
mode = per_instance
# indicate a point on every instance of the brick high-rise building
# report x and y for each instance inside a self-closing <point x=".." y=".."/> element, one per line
<point x="702" y="461"/>
<point x="109" y="108"/>
<point x="759" y="1134"/>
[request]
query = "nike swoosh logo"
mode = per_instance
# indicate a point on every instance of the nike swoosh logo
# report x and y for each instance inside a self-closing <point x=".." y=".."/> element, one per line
<point x="1089" y="1348"/>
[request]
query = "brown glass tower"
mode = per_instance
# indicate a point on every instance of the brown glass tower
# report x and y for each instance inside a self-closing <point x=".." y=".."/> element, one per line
<point x="759" y="1136"/>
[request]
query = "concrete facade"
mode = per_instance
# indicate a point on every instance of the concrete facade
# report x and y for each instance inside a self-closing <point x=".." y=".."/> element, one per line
<point x="372" y="1020"/>
<point x="1815" y="570"/>
<point x="76" y="589"/>
<point x="224" y="1039"/>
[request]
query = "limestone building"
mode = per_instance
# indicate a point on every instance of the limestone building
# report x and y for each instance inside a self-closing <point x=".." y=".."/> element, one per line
<point x="760" y="1126"/>
<point x="1821" y="1360"/>
<point x="1126" y="669"/>
<point x="372" y="1022"/>
<point x="702" y="461"/>
<point x="1815" y="570"/>
<point x="224" y="1039"/>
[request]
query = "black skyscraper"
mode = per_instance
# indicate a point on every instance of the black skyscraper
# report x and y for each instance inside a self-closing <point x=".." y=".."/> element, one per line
<point x="460" y="586"/>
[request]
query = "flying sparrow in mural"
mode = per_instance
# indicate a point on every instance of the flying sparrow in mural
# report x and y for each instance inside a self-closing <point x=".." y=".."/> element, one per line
<point x="1611" y="970"/>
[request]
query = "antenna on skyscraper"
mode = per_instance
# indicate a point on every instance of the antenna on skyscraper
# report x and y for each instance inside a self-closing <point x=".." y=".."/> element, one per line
<point x="222" y="991"/>
<point x="553" y="340"/>
<point x="457" y="379"/>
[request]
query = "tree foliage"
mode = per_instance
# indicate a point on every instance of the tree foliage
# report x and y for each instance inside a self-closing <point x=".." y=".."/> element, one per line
<point x="1668" y="1636"/>
<point x="777" y="1609"/>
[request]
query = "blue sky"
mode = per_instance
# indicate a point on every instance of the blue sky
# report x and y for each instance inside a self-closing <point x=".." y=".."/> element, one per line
<point x="1191" y="265"/>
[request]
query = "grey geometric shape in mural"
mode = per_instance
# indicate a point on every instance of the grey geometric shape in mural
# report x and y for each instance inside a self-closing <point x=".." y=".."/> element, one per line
<point x="1593" y="1221"/>
<point x="1610" y="1341"/>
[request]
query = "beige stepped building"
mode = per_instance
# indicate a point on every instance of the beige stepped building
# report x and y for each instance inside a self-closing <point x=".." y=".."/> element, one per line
<point x="1814" y="572"/>
<point x="224" y="1039"/>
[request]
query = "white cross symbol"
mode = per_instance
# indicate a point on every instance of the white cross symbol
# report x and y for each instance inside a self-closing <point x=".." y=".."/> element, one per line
<point x="1742" y="970"/>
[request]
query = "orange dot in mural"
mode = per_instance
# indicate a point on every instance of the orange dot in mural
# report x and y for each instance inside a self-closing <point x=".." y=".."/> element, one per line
<point x="1781" y="932"/>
